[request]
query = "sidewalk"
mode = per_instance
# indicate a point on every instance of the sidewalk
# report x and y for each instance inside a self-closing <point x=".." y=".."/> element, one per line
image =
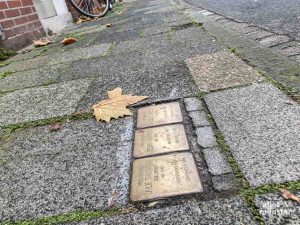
<point x="238" y="104"/>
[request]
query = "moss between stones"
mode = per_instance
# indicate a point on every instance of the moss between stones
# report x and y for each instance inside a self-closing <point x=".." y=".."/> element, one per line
<point x="4" y="64"/>
<point x="6" y="53"/>
<point x="9" y="129"/>
<point x="71" y="217"/>
<point x="292" y="92"/>
<point x="5" y="74"/>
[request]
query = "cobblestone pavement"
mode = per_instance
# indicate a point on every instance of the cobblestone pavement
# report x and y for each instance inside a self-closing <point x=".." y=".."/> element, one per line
<point x="239" y="105"/>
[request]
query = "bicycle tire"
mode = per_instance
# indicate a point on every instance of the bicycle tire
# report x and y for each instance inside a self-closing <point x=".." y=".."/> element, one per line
<point x="86" y="12"/>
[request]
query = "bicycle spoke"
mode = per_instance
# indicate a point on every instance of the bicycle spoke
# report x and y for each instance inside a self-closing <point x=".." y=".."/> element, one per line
<point x="91" y="7"/>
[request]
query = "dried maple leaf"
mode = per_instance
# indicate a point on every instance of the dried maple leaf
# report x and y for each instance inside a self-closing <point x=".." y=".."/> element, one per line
<point x="115" y="105"/>
<point x="288" y="195"/>
<point x="42" y="42"/>
<point x="68" y="41"/>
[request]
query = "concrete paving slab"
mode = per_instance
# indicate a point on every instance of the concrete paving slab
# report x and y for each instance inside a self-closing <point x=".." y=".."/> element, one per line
<point x="30" y="78"/>
<point x="168" y="82"/>
<point x="192" y="104"/>
<point x="225" y="182"/>
<point x="221" y="70"/>
<point x="110" y="37"/>
<point x="275" y="210"/>
<point x="261" y="127"/>
<point x="41" y="102"/>
<point x="206" y="137"/>
<point x="79" y="53"/>
<point x="222" y="211"/>
<point x="47" y="173"/>
<point x="216" y="161"/>
<point x="199" y="118"/>
<point x="120" y="66"/>
<point x="257" y="35"/>
<point x="274" y="40"/>
<point x="28" y="55"/>
<point x="25" y="64"/>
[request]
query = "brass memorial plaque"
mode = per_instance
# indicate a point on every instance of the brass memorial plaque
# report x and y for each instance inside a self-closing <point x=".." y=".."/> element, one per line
<point x="164" y="176"/>
<point x="159" y="115"/>
<point x="158" y="140"/>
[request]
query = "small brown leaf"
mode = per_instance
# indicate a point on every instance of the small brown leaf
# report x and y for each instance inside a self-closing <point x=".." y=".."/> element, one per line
<point x="55" y="127"/>
<point x="83" y="19"/>
<point x="42" y="42"/>
<point x="289" y="196"/>
<point x="68" y="41"/>
<point x="109" y="25"/>
<point x="115" y="105"/>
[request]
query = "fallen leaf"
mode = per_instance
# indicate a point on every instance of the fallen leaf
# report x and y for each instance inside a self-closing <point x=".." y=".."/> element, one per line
<point x="83" y="19"/>
<point x="42" y="42"/>
<point x="109" y="25"/>
<point x="115" y="105"/>
<point x="55" y="127"/>
<point x="288" y="195"/>
<point x="68" y="41"/>
<point x="119" y="13"/>
<point x="152" y="204"/>
<point x="112" y="199"/>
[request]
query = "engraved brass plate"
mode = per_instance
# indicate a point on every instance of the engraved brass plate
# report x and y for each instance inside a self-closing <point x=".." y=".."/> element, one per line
<point x="159" y="115"/>
<point x="158" y="140"/>
<point x="164" y="176"/>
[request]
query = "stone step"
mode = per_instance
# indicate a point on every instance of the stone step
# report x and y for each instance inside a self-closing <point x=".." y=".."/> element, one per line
<point x="261" y="127"/>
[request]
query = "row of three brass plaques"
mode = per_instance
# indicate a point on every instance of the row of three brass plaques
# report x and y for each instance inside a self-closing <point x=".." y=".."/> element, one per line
<point x="160" y="176"/>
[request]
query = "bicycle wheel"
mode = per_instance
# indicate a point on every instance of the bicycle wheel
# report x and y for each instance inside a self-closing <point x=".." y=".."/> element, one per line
<point x="91" y="8"/>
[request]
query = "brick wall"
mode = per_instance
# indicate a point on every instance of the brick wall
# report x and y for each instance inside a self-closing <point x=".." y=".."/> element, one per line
<point x="72" y="10"/>
<point x="20" y="23"/>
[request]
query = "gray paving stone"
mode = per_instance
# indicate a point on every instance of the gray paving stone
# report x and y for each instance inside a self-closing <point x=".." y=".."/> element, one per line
<point x="104" y="67"/>
<point x="192" y="104"/>
<point x="275" y="210"/>
<point x="274" y="40"/>
<point x="206" y="137"/>
<point x="216" y="17"/>
<point x="221" y="70"/>
<point x="247" y="29"/>
<point x="199" y="118"/>
<point x="225" y="182"/>
<point x="167" y="82"/>
<point x="222" y="212"/>
<point x="155" y="30"/>
<point x="30" y="78"/>
<point x="257" y="35"/>
<point x="290" y="51"/>
<point x="79" y="53"/>
<point x="41" y="102"/>
<point x="27" y="55"/>
<point x="45" y="173"/>
<point x="261" y="127"/>
<point x="25" y="64"/>
<point x="216" y="161"/>
<point x="296" y="58"/>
